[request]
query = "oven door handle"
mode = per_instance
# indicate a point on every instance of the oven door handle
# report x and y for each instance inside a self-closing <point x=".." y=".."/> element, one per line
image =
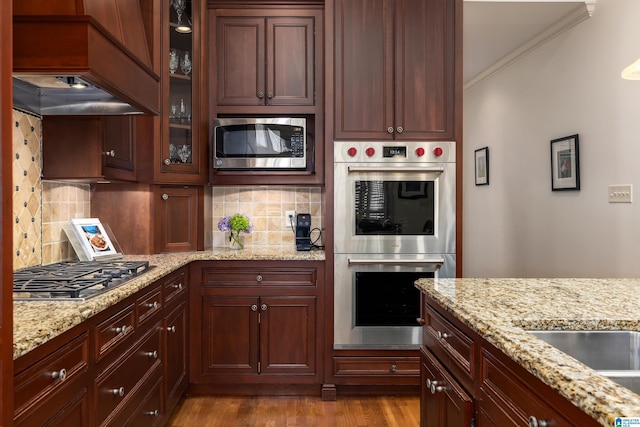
<point x="357" y="261"/>
<point x="436" y="169"/>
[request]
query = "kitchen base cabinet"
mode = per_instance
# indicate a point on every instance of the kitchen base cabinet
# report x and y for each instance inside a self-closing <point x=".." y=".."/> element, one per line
<point x="377" y="367"/>
<point x="256" y="324"/>
<point x="110" y="370"/>
<point x="461" y="370"/>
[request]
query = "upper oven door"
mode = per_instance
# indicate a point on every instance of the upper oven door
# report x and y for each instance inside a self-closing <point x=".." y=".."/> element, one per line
<point x="395" y="208"/>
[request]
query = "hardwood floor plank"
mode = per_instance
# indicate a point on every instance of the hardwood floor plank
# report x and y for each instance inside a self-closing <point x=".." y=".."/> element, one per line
<point x="217" y="411"/>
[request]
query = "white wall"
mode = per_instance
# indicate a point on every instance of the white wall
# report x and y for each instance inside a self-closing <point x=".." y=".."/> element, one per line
<point x="518" y="227"/>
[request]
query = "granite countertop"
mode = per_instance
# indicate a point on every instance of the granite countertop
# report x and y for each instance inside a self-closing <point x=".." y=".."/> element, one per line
<point x="35" y="323"/>
<point x="501" y="310"/>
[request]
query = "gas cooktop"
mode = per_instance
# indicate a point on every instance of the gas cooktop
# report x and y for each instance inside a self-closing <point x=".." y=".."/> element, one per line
<point x="73" y="281"/>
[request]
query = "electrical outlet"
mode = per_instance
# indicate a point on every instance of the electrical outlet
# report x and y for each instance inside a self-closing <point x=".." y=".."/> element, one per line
<point x="620" y="193"/>
<point x="290" y="218"/>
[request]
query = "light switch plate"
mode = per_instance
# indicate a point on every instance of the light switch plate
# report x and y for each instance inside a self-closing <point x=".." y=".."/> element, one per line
<point x="621" y="193"/>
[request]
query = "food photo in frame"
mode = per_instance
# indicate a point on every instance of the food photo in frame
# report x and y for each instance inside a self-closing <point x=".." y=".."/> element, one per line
<point x="482" y="166"/>
<point x="91" y="239"/>
<point x="565" y="163"/>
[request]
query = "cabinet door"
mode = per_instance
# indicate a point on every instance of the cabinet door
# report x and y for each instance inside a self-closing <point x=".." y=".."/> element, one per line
<point x="176" y="354"/>
<point x="178" y="214"/>
<point x="443" y="401"/>
<point x="241" y="60"/>
<point x="287" y="335"/>
<point x="424" y="69"/>
<point x="364" y="69"/>
<point x="118" y="146"/>
<point x="290" y="61"/>
<point x="229" y="341"/>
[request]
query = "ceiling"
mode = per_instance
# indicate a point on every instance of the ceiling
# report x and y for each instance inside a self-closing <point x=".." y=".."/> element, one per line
<point x="496" y="32"/>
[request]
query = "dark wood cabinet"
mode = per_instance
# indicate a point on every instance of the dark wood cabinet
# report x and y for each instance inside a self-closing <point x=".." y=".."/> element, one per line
<point x="256" y="322"/>
<point x="90" y="148"/>
<point x="395" y="69"/>
<point x="265" y="60"/>
<point x="179" y="216"/>
<point x="111" y="369"/>
<point x="443" y="401"/>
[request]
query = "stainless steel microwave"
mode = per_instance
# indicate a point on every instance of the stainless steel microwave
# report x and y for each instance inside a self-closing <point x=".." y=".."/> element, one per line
<point x="260" y="143"/>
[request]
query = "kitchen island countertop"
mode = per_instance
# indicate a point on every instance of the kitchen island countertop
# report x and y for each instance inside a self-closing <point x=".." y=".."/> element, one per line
<point x="502" y="310"/>
<point x="35" y="323"/>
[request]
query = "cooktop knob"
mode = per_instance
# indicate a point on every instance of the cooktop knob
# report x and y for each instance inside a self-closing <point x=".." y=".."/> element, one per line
<point x="419" y="151"/>
<point x="437" y="151"/>
<point x="352" y="152"/>
<point x="370" y="151"/>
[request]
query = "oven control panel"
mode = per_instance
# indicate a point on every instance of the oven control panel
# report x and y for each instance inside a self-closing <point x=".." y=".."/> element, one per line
<point x="395" y="152"/>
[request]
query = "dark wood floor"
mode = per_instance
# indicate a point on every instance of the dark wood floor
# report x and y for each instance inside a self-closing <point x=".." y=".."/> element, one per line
<point x="215" y="411"/>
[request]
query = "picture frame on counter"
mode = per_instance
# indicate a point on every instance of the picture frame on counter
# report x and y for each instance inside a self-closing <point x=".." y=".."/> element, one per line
<point x="565" y="163"/>
<point x="91" y="240"/>
<point x="482" y="166"/>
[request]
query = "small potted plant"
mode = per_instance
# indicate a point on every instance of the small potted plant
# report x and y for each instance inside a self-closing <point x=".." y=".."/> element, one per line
<point x="237" y="225"/>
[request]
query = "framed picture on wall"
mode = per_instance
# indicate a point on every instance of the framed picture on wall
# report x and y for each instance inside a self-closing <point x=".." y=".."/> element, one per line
<point x="482" y="166"/>
<point x="565" y="163"/>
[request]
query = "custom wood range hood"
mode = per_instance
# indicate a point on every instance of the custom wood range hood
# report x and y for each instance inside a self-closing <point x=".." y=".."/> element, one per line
<point x="107" y="44"/>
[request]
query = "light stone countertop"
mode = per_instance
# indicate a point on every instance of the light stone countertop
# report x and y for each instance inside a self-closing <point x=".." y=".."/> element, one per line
<point x="35" y="323"/>
<point x="501" y="310"/>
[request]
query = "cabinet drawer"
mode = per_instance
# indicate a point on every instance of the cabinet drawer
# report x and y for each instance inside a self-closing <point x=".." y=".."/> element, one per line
<point x="115" y="388"/>
<point x="268" y="276"/>
<point x="175" y="287"/>
<point x="377" y="366"/>
<point x="450" y="344"/>
<point x="143" y="410"/>
<point x="149" y="305"/>
<point x="46" y="377"/>
<point x="508" y="401"/>
<point x="113" y="331"/>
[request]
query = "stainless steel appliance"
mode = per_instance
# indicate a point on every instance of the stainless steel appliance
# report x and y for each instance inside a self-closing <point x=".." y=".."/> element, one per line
<point x="73" y="281"/>
<point x="394" y="223"/>
<point x="260" y="143"/>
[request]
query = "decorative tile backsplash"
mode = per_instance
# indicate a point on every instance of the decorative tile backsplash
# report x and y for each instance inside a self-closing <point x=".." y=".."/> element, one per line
<point x="266" y="207"/>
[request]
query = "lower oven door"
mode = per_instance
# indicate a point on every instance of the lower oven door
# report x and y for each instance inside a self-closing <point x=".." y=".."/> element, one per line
<point x="376" y="303"/>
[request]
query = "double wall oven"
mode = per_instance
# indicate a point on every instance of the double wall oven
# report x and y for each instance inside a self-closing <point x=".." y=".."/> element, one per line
<point x="394" y="222"/>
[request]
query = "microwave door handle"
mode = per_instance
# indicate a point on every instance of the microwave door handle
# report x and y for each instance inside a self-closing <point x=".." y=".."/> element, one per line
<point x="435" y="261"/>
<point x="436" y="169"/>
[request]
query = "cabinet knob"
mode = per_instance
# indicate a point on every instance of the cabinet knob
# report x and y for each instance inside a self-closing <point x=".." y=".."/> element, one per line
<point x="390" y="129"/>
<point x="152" y="354"/>
<point x="178" y="286"/>
<point x="61" y="374"/>
<point x="254" y="307"/>
<point x="167" y="161"/>
<point x="435" y="388"/>
<point x="394" y="368"/>
<point x="121" y="330"/>
<point x="263" y="307"/>
<point x="165" y="196"/>
<point x="534" y="422"/>
<point x="152" y="413"/>
<point x="118" y="391"/>
<point x="260" y="94"/>
<point x="270" y="95"/>
<point x="443" y="335"/>
<point x="153" y="305"/>
<point x="421" y="321"/>
<point x="259" y="278"/>
<point x="111" y="153"/>
<point x="171" y="329"/>
<point x="399" y="129"/>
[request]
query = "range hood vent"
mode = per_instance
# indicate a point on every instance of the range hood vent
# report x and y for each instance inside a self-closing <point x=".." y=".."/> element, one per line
<point x="84" y="41"/>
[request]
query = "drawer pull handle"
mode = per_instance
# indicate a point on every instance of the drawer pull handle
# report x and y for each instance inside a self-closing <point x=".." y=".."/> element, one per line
<point x="259" y="278"/>
<point x="118" y="391"/>
<point x="111" y="153"/>
<point x="254" y="307"/>
<point x="178" y="286"/>
<point x="61" y="374"/>
<point x="394" y="368"/>
<point x="171" y="329"/>
<point x="152" y="354"/>
<point x="153" y="305"/>
<point x="435" y="388"/>
<point x="421" y="321"/>
<point x="153" y="413"/>
<point x="443" y="335"/>
<point x="263" y="307"/>
<point x="121" y="330"/>
<point x="534" y="422"/>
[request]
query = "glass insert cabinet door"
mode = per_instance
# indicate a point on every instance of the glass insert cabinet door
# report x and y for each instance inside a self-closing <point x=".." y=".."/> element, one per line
<point x="180" y="149"/>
